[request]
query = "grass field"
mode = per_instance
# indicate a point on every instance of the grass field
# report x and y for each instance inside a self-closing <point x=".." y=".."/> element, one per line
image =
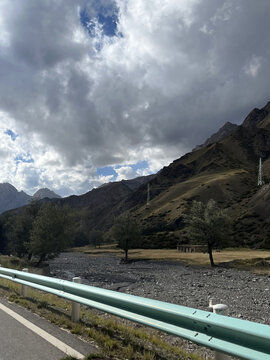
<point x="255" y="260"/>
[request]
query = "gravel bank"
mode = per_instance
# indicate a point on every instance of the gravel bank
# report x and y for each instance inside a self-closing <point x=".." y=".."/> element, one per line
<point x="246" y="294"/>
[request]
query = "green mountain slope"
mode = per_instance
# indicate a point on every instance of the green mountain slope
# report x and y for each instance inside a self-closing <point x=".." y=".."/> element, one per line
<point x="225" y="171"/>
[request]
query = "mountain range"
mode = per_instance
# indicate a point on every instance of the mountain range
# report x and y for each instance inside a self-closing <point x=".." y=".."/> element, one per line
<point x="11" y="198"/>
<point x="224" y="168"/>
<point x="225" y="130"/>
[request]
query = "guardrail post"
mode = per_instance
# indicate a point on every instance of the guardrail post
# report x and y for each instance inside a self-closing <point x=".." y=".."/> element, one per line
<point x="75" y="315"/>
<point x="220" y="309"/>
<point x="24" y="287"/>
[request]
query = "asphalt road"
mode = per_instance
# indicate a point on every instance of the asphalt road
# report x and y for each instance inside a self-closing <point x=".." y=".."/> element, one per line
<point x="24" y="335"/>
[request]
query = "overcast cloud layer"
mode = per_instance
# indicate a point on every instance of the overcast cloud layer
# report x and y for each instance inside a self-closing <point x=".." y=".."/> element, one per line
<point x="80" y="93"/>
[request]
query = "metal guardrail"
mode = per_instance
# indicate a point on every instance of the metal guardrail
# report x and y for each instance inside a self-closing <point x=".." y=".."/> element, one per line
<point x="240" y="338"/>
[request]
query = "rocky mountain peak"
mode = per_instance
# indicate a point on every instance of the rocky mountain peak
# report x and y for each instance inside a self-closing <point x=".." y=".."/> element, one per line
<point x="45" y="193"/>
<point x="4" y="187"/>
<point x="254" y="119"/>
<point x="267" y="106"/>
<point x="224" y="131"/>
<point x="256" y="116"/>
<point x="11" y="198"/>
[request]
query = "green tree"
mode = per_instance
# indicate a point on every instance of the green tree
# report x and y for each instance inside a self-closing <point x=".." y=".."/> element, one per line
<point x="208" y="224"/>
<point x="3" y="238"/>
<point x="266" y="239"/>
<point x="32" y="208"/>
<point x="126" y="232"/>
<point x="51" y="231"/>
<point x="95" y="238"/>
<point x="17" y="231"/>
<point x="81" y="230"/>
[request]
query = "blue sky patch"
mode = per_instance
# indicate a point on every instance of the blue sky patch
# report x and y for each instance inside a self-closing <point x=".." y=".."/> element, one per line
<point x="107" y="171"/>
<point x="86" y="22"/>
<point x="11" y="134"/>
<point x="107" y="21"/>
<point x="109" y="24"/>
<point x="138" y="166"/>
<point x="26" y="158"/>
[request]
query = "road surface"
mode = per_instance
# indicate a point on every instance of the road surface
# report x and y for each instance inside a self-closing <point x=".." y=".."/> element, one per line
<point x="24" y="335"/>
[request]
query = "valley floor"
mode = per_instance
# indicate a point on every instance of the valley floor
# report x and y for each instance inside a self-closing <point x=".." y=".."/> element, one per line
<point x="238" y="257"/>
<point x="246" y="294"/>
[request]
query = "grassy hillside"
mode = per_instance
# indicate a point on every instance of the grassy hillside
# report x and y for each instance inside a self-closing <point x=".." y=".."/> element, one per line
<point x="225" y="171"/>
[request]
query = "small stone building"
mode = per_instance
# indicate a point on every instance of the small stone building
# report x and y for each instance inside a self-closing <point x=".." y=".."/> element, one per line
<point x="189" y="248"/>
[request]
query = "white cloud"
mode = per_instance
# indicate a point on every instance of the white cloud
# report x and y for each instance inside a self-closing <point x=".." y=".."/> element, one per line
<point x="29" y="164"/>
<point x="125" y="172"/>
<point x="253" y="66"/>
<point x="179" y="70"/>
<point x="226" y="11"/>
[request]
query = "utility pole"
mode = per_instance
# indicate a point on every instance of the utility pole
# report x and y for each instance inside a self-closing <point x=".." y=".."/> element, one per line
<point x="260" y="174"/>
<point x="148" y="196"/>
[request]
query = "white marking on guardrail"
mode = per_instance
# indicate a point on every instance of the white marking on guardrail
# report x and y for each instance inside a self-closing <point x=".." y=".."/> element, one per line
<point x="48" y="337"/>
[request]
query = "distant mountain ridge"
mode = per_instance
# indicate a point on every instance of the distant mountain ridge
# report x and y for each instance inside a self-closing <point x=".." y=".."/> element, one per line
<point x="103" y="204"/>
<point x="97" y="200"/>
<point x="224" y="168"/>
<point x="224" y="131"/>
<point x="46" y="193"/>
<point x="257" y="116"/>
<point x="11" y="198"/>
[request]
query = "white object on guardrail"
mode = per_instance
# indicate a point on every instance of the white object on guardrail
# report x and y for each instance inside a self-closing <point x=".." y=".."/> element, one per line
<point x="75" y="314"/>
<point x="220" y="309"/>
<point x="24" y="287"/>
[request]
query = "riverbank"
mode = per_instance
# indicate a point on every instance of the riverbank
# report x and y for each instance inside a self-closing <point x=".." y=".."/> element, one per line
<point x="245" y="293"/>
<point x="258" y="261"/>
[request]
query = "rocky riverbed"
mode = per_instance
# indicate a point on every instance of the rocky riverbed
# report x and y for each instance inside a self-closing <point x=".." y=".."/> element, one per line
<point x="247" y="295"/>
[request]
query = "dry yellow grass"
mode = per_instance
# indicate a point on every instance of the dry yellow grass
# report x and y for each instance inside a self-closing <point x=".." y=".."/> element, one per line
<point x="241" y="256"/>
<point x="198" y="258"/>
<point x="172" y="201"/>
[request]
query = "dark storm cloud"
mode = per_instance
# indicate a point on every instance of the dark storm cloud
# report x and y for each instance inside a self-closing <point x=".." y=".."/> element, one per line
<point x="173" y="73"/>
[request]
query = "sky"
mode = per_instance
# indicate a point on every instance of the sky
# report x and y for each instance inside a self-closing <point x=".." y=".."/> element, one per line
<point x="93" y="91"/>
